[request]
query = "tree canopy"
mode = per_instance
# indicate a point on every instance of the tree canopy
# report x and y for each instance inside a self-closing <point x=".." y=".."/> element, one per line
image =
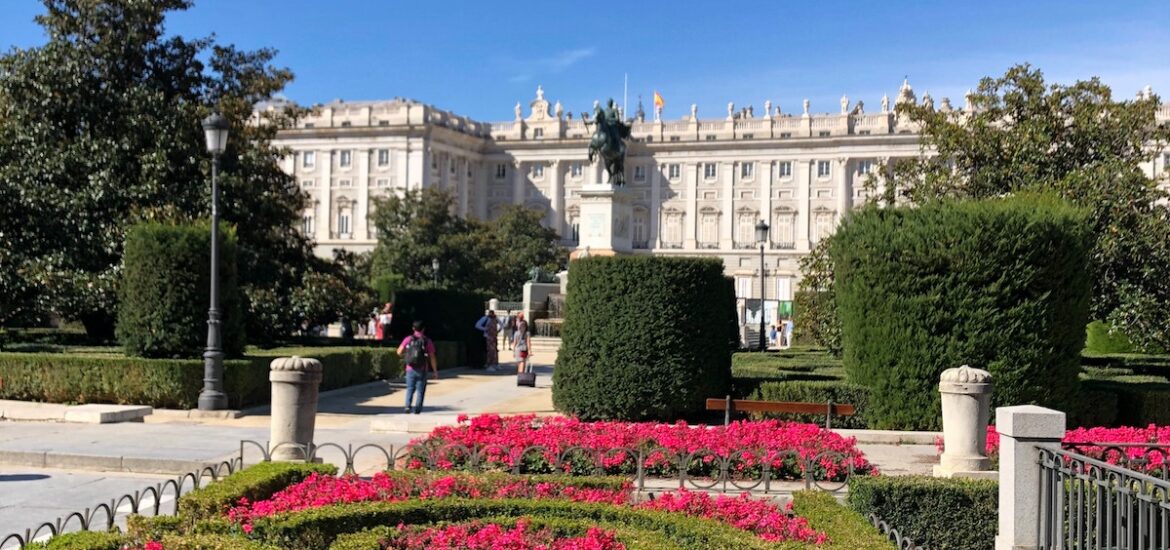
<point x="100" y="128"/>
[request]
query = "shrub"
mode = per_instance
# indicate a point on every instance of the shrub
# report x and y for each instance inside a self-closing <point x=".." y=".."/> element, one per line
<point x="947" y="514"/>
<point x="643" y="338"/>
<point x="633" y="538"/>
<point x="1000" y="284"/>
<point x="162" y="303"/>
<point x="84" y="540"/>
<point x="1099" y="338"/>
<point x="846" y="529"/>
<point x="817" y="391"/>
<point x="449" y="315"/>
<point x="1139" y="401"/>
<point x="255" y="483"/>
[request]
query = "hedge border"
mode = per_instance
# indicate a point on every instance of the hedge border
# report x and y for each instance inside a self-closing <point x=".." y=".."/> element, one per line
<point x="632" y="537"/>
<point x="255" y="483"/>
<point x="846" y="529"/>
<point x="942" y="514"/>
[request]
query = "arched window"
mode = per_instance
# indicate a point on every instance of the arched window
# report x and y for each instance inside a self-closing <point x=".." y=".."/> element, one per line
<point x="672" y="228"/>
<point x="745" y="228"/>
<point x="784" y="228"/>
<point x="574" y="224"/>
<point x="824" y="223"/>
<point x="641" y="235"/>
<point x="708" y="228"/>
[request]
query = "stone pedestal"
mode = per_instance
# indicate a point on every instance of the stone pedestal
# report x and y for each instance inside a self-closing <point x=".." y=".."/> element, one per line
<point x="1023" y="431"/>
<point x="966" y="398"/>
<point x="606" y="217"/>
<point x="295" y="382"/>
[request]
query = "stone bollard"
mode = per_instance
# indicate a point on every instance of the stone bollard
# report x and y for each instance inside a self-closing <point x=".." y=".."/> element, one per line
<point x="1023" y="431"/>
<point x="294" y="406"/>
<point x="966" y="396"/>
<point x="494" y="304"/>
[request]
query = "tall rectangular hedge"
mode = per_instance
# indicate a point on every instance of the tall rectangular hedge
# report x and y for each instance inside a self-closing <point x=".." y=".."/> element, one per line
<point x="644" y="338"/>
<point x="448" y="314"/>
<point x="1001" y="285"/>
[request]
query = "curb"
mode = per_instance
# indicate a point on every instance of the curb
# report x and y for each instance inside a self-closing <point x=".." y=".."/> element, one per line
<point x="140" y="465"/>
<point x="891" y="437"/>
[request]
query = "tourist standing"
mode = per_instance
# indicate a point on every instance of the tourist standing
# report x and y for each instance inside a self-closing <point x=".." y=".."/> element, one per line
<point x="418" y="354"/>
<point x="509" y="330"/>
<point x="384" y="321"/>
<point x="520" y="342"/>
<point x="490" y="326"/>
<point x="773" y="336"/>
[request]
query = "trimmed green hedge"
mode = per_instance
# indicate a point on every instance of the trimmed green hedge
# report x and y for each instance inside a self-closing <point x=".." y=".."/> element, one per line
<point x="644" y="338"/>
<point x="1099" y="339"/>
<point x="947" y="514"/>
<point x="449" y="315"/>
<point x="633" y="538"/>
<point x="846" y="529"/>
<point x="999" y="284"/>
<point x="175" y="383"/>
<point x="84" y="540"/>
<point x="255" y="483"/>
<point x="162" y="297"/>
<point x="1126" y="401"/>
<point x="817" y="391"/>
<point x="319" y="527"/>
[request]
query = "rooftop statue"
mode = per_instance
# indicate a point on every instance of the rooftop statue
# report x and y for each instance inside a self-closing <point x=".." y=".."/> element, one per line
<point x="608" y="141"/>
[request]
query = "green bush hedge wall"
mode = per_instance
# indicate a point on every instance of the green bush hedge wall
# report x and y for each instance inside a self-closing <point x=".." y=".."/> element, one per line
<point x="817" y="391"/>
<point x="175" y="383"/>
<point x="163" y="295"/>
<point x="947" y="514"/>
<point x="1000" y="284"/>
<point x="449" y="315"/>
<point x="644" y="338"/>
<point x="846" y="529"/>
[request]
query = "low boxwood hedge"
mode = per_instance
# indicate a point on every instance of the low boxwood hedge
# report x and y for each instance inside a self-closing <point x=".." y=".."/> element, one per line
<point x="84" y="540"/>
<point x="255" y="483"/>
<point x="92" y="540"/>
<point x="942" y="514"/>
<point x="846" y="529"/>
<point x="817" y="391"/>
<point x="634" y="538"/>
<point x="317" y="528"/>
<point x="175" y="383"/>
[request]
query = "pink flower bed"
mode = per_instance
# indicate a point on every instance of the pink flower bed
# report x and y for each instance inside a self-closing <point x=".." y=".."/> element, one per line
<point x="477" y="536"/>
<point x="323" y="490"/>
<point x="786" y="446"/>
<point x="761" y="517"/>
<point x="1152" y="435"/>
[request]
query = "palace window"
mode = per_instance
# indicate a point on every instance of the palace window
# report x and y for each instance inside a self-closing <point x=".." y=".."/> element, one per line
<point x="538" y="133"/>
<point x="823" y="169"/>
<point x="672" y="171"/>
<point x="576" y="169"/>
<point x="710" y="137"/>
<point x="501" y="170"/>
<point x="345" y="158"/>
<point x="743" y="287"/>
<point x="863" y="133"/>
<point x="709" y="226"/>
<point x="344" y="183"/>
<point x="308" y="159"/>
<point x="307" y="224"/>
<point x="824" y="223"/>
<point x="383" y="157"/>
<point x="673" y="230"/>
<point x="451" y="166"/>
<point x="674" y="138"/>
<point x="538" y="170"/>
<point x="639" y="173"/>
<point x="748" y="136"/>
<point x="785" y="135"/>
<point x="784" y="289"/>
<point x="383" y="123"/>
<point x="784" y="228"/>
<point x="346" y="124"/>
<point x="640" y="233"/>
<point x="745" y="228"/>
<point x="824" y="133"/>
<point x="343" y="222"/>
<point x="785" y="169"/>
<point x="864" y="166"/>
<point x="747" y="170"/>
<point x="306" y="183"/>
<point x="1166" y="161"/>
<point x="709" y="170"/>
<point x="383" y="182"/>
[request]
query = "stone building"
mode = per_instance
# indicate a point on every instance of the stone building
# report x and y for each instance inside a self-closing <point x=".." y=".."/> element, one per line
<point x="700" y="184"/>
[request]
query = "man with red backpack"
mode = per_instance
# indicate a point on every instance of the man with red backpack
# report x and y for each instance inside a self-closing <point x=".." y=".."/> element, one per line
<point x="418" y="354"/>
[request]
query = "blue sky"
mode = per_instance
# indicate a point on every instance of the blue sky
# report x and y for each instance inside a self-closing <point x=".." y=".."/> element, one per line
<point x="479" y="58"/>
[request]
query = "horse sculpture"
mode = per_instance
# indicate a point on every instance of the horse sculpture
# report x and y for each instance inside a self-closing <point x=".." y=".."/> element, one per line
<point x="608" y="141"/>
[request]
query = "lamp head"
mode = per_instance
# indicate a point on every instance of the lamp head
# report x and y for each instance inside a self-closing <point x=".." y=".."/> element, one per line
<point x="215" y="129"/>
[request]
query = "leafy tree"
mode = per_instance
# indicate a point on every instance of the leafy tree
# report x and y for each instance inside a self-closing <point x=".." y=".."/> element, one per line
<point x="489" y="257"/>
<point x="816" y="308"/>
<point x="1080" y="143"/>
<point x="99" y="129"/>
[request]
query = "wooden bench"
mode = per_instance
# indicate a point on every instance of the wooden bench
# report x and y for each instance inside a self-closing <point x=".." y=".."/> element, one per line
<point x="829" y="409"/>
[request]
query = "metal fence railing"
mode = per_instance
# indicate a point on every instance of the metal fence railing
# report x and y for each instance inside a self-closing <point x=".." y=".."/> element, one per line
<point x="1089" y="503"/>
<point x="900" y="542"/>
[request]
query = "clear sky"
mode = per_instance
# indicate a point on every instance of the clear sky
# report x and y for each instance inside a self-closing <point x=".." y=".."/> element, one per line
<point x="480" y="57"/>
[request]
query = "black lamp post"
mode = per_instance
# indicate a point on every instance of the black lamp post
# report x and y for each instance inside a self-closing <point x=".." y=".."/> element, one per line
<point x="435" y="270"/>
<point x="762" y="238"/>
<point x="212" y="398"/>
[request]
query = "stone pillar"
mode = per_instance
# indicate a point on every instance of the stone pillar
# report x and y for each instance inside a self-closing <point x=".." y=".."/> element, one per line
<point x="295" y="382"/>
<point x="1022" y="431"/>
<point x="518" y="180"/>
<point x="654" y="236"/>
<point x="803" y="204"/>
<point x="691" y="175"/>
<point x="966" y="397"/>
<point x="556" y="209"/>
<point x="606" y="214"/>
<point x="727" y="196"/>
<point x="844" y="190"/>
<point x="494" y="304"/>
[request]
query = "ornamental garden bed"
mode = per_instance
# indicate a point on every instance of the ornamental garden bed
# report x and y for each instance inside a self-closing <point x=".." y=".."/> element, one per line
<point x="296" y="506"/>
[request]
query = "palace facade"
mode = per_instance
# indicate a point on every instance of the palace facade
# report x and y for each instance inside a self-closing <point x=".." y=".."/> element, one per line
<point x="700" y="184"/>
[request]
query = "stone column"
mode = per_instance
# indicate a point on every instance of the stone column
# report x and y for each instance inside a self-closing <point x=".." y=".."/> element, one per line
<point x="690" y="222"/>
<point x="966" y="396"/>
<point x="324" y="220"/>
<point x="654" y="236"/>
<point x="844" y="190"/>
<point x="295" y="382"/>
<point x="727" y="196"/>
<point x="361" y="211"/>
<point x="803" y="204"/>
<point x="556" y="209"/>
<point x="518" y="182"/>
<point x="1023" y="430"/>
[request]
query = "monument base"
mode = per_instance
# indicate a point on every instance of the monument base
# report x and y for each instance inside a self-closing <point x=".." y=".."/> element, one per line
<point x="606" y="215"/>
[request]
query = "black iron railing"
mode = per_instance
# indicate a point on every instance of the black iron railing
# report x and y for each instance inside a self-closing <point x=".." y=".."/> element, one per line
<point x="900" y="542"/>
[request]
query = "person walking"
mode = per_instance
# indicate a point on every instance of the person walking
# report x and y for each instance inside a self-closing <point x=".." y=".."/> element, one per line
<point x="509" y="330"/>
<point x="417" y="353"/>
<point x="384" y="319"/>
<point x="520" y="342"/>
<point x="490" y="326"/>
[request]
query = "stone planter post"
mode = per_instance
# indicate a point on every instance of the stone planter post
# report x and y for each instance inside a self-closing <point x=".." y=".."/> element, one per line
<point x="1023" y="431"/>
<point x="966" y="397"/>
<point x="295" y="382"/>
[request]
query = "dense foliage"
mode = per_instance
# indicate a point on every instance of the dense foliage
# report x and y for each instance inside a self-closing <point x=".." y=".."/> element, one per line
<point x="815" y="308"/>
<point x="948" y="514"/>
<point x="448" y="315"/>
<point x="998" y="284"/>
<point x="644" y="338"/>
<point x="490" y="257"/>
<point x="87" y="165"/>
<point x="162" y="301"/>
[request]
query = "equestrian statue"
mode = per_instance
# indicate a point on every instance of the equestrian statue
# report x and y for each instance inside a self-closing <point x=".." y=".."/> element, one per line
<point x="608" y="141"/>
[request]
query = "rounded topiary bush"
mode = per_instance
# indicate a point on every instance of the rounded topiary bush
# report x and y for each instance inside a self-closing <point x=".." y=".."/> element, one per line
<point x="166" y="281"/>
<point x="1001" y="285"/>
<point x="644" y="338"/>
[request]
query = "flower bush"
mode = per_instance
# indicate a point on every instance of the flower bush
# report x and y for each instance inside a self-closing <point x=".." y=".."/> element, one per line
<point x="566" y="444"/>
<point x="478" y="536"/>
<point x="323" y="490"/>
<point x="761" y="517"/>
<point x="1151" y="435"/>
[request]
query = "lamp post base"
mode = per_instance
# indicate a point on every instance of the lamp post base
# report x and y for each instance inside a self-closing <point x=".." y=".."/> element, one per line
<point x="210" y="400"/>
